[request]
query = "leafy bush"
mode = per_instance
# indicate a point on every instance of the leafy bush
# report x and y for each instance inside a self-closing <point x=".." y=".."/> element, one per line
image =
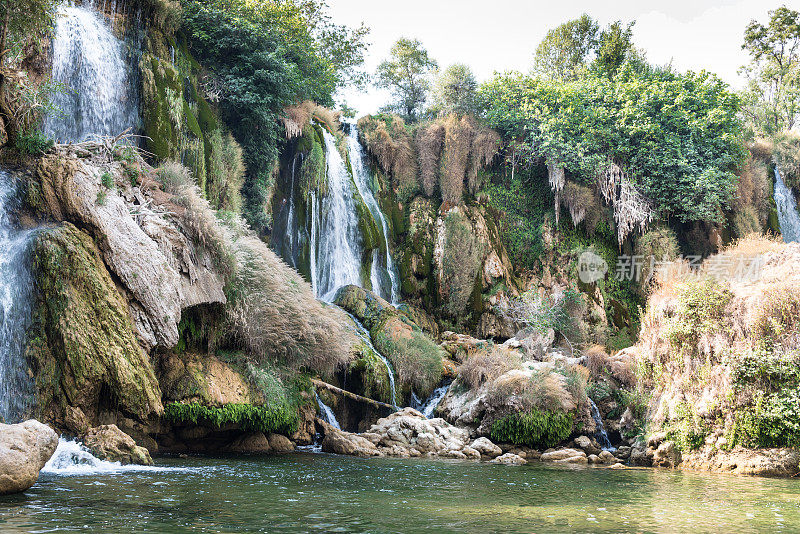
<point x="786" y="155"/>
<point x="33" y="142"/>
<point x="657" y="245"/>
<point x="416" y="358"/>
<point x="537" y="429"/>
<point x="700" y="311"/>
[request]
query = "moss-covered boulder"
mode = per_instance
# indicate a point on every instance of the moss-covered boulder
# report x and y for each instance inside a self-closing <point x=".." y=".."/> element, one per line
<point x="84" y="348"/>
<point x="416" y="358"/>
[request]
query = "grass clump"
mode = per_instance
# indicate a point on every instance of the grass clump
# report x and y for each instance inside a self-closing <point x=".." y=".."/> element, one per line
<point x="461" y="262"/>
<point x="537" y="429"/>
<point x="251" y="418"/>
<point x="485" y="366"/>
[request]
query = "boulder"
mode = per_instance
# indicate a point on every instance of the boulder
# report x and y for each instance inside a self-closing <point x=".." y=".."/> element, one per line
<point x="606" y="457"/>
<point x="618" y="466"/>
<point x="108" y="442"/>
<point x="340" y="442"/>
<point x="562" y="454"/>
<point x="666" y="455"/>
<point x="250" y="443"/>
<point x="584" y="443"/>
<point x="486" y="447"/>
<point x="24" y="449"/>
<point x="764" y="462"/>
<point x="280" y="443"/>
<point x="509" y="459"/>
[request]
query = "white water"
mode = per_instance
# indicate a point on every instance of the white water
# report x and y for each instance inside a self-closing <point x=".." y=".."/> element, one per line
<point x="600" y="433"/>
<point x="384" y="278"/>
<point x="327" y="414"/>
<point x="788" y="216"/>
<point x="338" y="240"/>
<point x="72" y="458"/>
<point x="364" y="335"/>
<point x="16" y="290"/>
<point x="101" y="97"/>
<point x="430" y="404"/>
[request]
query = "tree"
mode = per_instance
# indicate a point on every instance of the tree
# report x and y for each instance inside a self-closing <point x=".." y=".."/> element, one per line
<point x="407" y="74"/>
<point x="565" y="50"/>
<point x="455" y="91"/>
<point x="615" y="46"/>
<point x="22" y="18"/>
<point x="773" y="100"/>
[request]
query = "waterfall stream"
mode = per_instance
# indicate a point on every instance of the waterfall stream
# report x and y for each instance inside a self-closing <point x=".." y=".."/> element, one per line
<point x="788" y="216"/>
<point x="384" y="278"/>
<point x="101" y="96"/>
<point x="16" y="292"/>
<point x="327" y="414"/>
<point x="600" y="433"/>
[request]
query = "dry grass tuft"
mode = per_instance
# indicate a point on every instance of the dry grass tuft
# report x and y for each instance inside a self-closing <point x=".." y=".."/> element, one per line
<point x="487" y="365"/>
<point x="457" y="145"/>
<point x="485" y="147"/>
<point x="583" y="204"/>
<point x="429" y="141"/>
<point x="296" y="118"/>
<point x="762" y="149"/>
<point x="387" y="138"/>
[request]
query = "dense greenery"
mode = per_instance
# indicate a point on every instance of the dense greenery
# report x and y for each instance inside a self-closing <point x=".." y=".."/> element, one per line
<point x="677" y="136"/>
<point x="406" y="74"/>
<point x="537" y="428"/>
<point x="249" y="417"/>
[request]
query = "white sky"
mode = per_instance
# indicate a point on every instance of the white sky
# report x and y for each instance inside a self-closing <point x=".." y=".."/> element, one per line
<point x="500" y="35"/>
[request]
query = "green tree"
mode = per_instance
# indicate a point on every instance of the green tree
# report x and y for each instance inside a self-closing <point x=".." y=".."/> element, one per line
<point x="615" y="46"/>
<point x="455" y="91"/>
<point x="773" y="99"/>
<point x="565" y="51"/>
<point x="407" y="74"/>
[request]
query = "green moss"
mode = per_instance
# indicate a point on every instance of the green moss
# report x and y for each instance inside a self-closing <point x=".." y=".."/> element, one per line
<point x="248" y="417"/>
<point x="370" y="370"/>
<point x="537" y="429"/>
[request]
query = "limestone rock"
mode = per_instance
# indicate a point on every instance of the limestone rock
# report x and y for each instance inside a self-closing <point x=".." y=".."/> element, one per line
<point x="251" y="443"/>
<point x="509" y="459"/>
<point x="618" y="466"/>
<point x="108" y="442"/>
<point x="562" y="454"/>
<point x="24" y="449"/>
<point x="486" y="447"/>
<point x="764" y="462"/>
<point x="666" y="455"/>
<point x="340" y="442"/>
<point x="280" y="443"/>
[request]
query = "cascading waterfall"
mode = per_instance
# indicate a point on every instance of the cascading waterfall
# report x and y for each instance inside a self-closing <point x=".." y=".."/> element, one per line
<point x="364" y="335"/>
<point x="337" y="239"/>
<point x="430" y="404"/>
<point x="788" y="216"/>
<point x="600" y="433"/>
<point x="384" y="278"/>
<point x="101" y="96"/>
<point x="287" y="225"/>
<point x="327" y="414"/>
<point x="16" y="292"/>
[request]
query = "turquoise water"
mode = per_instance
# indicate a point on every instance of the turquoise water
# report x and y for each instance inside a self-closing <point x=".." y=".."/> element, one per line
<point x="323" y="493"/>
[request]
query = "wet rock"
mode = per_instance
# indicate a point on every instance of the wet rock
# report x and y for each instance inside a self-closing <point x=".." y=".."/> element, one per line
<point x="618" y="466"/>
<point x="486" y="448"/>
<point x="623" y="452"/>
<point x="509" y="459"/>
<point x="108" y="442"/>
<point x="562" y="454"/>
<point x="340" y="442"/>
<point x="24" y="449"/>
<point x="594" y="459"/>
<point x="280" y="443"/>
<point x="251" y="443"/>
<point x="471" y="453"/>
<point x="584" y="443"/>
<point x="641" y="455"/>
<point x="606" y="457"/>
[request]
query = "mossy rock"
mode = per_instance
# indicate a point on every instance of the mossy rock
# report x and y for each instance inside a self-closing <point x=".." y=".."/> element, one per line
<point x="92" y="355"/>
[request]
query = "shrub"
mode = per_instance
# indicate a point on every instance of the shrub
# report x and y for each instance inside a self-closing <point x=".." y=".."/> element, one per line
<point x="657" y="245"/>
<point x="226" y="172"/>
<point x="486" y="365"/>
<point x="416" y="358"/>
<point x="457" y="145"/>
<point x="583" y="205"/>
<point x="485" y="146"/>
<point x="33" y="142"/>
<point x="559" y="311"/>
<point x="745" y="222"/>
<point x="537" y="429"/>
<point x="461" y="262"/>
<point x="107" y="180"/>
<point x="388" y="140"/>
<point x="174" y="177"/>
<point x="776" y="322"/>
<point x="700" y="312"/>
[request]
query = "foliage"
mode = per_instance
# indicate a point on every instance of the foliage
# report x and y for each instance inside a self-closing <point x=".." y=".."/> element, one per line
<point x="225" y="172"/>
<point x="416" y="357"/>
<point x="687" y="429"/>
<point x="281" y="419"/>
<point x="455" y="91"/>
<point x="389" y="140"/>
<point x="20" y="19"/>
<point x="657" y="245"/>
<point x="700" y="310"/>
<point x="544" y="312"/>
<point x="614" y="48"/>
<point x="484" y="366"/>
<point x="677" y="136"/>
<point x="565" y="50"/>
<point x="406" y="74"/>
<point x="786" y="154"/>
<point x="33" y="142"/>
<point x="773" y="95"/>
<point x="174" y="177"/>
<point x="537" y="429"/>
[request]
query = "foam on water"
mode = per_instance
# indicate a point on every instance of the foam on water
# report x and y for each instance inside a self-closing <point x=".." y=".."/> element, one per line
<point x="72" y="458"/>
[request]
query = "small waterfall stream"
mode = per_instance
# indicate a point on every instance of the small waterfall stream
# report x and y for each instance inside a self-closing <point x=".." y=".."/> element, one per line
<point x="428" y="406"/>
<point x="600" y="433"/>
<point x="788" y="216"/>
<point x="327" y="414"/>
<point x="16" y="293"/>
<point x="101" y="96"/>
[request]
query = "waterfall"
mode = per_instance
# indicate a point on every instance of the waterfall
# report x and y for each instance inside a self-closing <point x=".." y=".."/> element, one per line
<point x="71" y="458"/>
<point x="16" y="292"/>
<point x="101" y="96"/>
<point x="788" y="216"/>
<point x="287" y="226"/>
<point x="385" y="281"/>
<point x="327" y="414"/>
<point x="364" y="335"/>
<point x="338" y="240"/>
<point x="428" y="406"/>
<point x="600" y="432"/>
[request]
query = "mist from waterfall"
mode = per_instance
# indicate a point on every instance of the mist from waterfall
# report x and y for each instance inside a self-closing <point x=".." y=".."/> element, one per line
<point x="788" y="216"/>
<point x="101" y="96"/>
<point x="16" y="293"/>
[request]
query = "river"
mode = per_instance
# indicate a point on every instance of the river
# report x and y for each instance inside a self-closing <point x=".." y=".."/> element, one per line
<point x="305" y="492"/>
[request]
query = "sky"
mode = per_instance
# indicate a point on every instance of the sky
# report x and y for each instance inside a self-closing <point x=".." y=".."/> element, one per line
<point x="499" y="35"/>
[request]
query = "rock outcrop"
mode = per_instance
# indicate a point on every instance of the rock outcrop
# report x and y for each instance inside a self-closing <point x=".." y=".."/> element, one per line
<point x="24" y="449"/>
<point x="109" y="443"/>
